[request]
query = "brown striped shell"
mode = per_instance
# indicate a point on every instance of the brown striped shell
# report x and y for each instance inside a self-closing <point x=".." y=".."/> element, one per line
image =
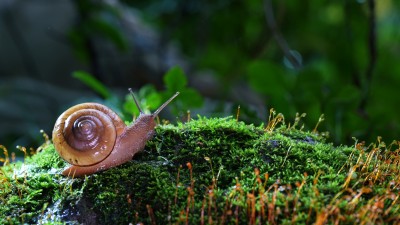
<point x="85" y="134"/>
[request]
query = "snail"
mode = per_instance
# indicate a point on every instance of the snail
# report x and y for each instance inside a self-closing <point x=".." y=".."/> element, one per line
<point x="93" y="138"/>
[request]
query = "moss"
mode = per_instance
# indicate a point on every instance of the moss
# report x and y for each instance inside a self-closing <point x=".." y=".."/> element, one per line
<point x="207" y="170"/>
<point x="46" y="160"/>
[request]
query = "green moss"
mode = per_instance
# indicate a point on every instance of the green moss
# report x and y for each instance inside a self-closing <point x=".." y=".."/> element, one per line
<point x="46" y="160"/>
<point x="205" y="170"/>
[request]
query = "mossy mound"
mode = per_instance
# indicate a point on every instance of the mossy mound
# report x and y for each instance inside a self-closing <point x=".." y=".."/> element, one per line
<point x="210" y="171"/>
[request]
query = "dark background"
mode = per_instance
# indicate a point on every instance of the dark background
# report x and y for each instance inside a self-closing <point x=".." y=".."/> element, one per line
<point x="337" y="58"/>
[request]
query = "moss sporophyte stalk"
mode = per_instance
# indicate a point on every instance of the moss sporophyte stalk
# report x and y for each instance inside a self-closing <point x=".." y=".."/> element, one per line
<point x="213" y="171"/>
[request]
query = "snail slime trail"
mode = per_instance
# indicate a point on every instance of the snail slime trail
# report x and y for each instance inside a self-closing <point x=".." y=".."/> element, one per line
<point x="93" y="138"/>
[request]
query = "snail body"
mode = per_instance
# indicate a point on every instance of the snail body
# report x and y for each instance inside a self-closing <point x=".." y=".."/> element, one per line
<point x="92" y="137"/>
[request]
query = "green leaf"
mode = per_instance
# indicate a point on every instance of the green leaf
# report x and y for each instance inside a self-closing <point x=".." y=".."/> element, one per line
<point x="191" y="98"/>
<point x="130" y="107"/>
<point x="175" y="79"/>
<point x="93" y="83"/>
<point x="148" y="98"/>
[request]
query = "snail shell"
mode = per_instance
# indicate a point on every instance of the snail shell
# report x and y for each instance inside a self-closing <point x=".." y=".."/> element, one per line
<point x="85" y="134"/>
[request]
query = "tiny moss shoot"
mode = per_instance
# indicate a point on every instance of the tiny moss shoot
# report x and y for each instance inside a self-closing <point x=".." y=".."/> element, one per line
<point x="213" y="171"/>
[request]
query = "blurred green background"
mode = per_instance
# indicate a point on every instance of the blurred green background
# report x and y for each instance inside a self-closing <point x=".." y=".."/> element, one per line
<point x="337" y="58"/>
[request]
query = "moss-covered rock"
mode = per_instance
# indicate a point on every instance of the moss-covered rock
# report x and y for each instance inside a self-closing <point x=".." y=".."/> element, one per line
<point x="210" y="171"/>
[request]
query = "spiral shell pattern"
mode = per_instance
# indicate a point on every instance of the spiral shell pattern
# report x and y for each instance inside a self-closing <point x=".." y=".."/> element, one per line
<point x="85" y="134"/>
